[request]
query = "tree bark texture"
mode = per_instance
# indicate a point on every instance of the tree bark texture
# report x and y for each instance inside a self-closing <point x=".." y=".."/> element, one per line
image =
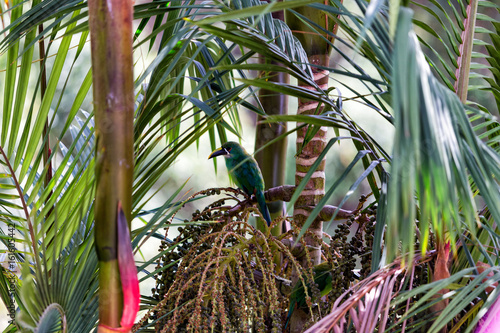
<point x="315" y="188"/>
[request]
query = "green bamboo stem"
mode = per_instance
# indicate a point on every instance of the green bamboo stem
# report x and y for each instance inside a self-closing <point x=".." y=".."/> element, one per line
<point x="110" y="23"/>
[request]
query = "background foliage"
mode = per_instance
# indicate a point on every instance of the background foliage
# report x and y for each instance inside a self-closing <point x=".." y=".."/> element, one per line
<point x="413" y="161"/>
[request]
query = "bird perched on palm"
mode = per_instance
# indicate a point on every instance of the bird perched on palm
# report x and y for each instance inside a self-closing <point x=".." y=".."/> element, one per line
<point x="245" y="172"/>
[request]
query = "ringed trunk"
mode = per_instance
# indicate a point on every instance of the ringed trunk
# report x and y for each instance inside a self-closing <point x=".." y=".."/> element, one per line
<point x="315" y="188"/>
<point x="318" y="52"/>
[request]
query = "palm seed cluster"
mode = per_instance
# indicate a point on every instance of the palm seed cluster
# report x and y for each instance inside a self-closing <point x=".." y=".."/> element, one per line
<point x="345" y="253"/>
<point x="189" y="235"/>
<point x="217" y="276"/>
<point x="225" y="287"/>
<point x="220" y="274"/>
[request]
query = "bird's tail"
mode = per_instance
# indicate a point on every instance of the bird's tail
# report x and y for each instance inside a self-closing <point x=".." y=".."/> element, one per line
<point x="290" y="311"/>
<point x="263" y="207"/>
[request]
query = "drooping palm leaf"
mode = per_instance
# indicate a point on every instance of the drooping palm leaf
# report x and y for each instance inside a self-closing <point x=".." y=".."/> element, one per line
<point x="210" y="108"/>
<point x="435" y="153"/>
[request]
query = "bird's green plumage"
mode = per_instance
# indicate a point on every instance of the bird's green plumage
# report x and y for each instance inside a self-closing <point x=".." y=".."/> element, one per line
<point x="245" y="172"/>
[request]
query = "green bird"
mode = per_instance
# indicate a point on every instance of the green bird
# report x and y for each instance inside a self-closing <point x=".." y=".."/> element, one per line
<point x="245" y="172"/>
<point x="322" y="275"/>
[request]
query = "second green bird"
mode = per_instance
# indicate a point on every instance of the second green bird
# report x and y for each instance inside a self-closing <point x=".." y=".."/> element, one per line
<point x="245" y="172"/>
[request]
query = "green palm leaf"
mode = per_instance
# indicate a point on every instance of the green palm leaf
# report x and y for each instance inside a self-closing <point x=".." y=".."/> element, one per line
<point x="436" y="151"/>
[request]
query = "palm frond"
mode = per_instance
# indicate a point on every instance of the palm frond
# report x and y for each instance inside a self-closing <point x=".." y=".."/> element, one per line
<point x="365" y="306"/>
<point x="59" y="290"/>
<point x="434" y="141"/>
<point x="441" y="163"/>
<point x="456" y="49"/>
<point x="260" y="42"/>
<point x="465" y="300"/>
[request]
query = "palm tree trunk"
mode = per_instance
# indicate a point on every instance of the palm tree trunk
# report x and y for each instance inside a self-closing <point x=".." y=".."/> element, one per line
<point x="110" y="23"/>
<point x="315" y="188"/>
<point x="318" y="52"/>
<point x="272" y="159"/>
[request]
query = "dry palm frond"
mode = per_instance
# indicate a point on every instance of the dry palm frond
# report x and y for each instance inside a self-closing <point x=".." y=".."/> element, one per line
<point x="366" y="305"/>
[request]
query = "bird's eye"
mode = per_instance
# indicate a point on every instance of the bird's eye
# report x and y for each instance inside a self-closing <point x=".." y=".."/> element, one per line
<point x="227" y="150"/>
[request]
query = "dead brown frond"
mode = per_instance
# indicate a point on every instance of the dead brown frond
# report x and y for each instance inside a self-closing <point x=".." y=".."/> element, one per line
<point x="367" y="305"/>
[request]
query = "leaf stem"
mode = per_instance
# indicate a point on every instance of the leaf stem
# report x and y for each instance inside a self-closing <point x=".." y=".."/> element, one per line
<point x="43" y="89"/>
<point x="23" y="202"/>
<point x="463" y="71"/>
